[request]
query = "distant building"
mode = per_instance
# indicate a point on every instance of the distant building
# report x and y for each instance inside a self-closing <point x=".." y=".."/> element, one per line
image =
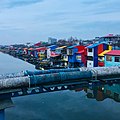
<point x="86" y="42"/>
<point x="52" y="40"/>
<point x="113" y="40"/>
<point x="112" y="58"/>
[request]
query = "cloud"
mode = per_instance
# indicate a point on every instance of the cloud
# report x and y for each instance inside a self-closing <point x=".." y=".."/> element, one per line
<point x="28" y="21"/>
<point x="17" y="3"/>
<point x="89" y="2"/>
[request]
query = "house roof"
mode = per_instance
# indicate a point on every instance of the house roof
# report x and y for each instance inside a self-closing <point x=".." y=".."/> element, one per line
<point x="109" y="35"/>
<point x="53" y="54"/>
<point x="37" y="44"/>
<point x="25" y="48"/>
<point x="79" y="52"/>
<point x="30" y="49"/>
<point x="52" y="47"/>
<point x="104" y="52"/>
<point x="41" y="48"/>
<point x="61" y="47"/>
<point x="95" y="44"/>
<point x="70" y="47"/>
<point x="114" y="53"/>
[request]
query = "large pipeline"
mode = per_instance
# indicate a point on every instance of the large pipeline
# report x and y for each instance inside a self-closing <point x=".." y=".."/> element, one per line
<point x="59" y="77"/>
<point x="95" y="71"/>
<point x="38" y="72"/>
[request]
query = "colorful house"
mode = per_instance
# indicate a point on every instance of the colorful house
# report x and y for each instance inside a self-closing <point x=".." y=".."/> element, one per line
<point x="112" y="58"/>
<point x="63" y="52"/>
<point x="25" y="51"/>
<point x="76" y="56"/>
<point x="93" y="51"/>
<point x="58" y="57"/>
<point x="81" y="56"/>
<point x="101" y="57"/>
<point x="41" y="53"/>
<point x="55" y="59"/>
<point x="31" y="52"/>
<point x="50" y="49"/>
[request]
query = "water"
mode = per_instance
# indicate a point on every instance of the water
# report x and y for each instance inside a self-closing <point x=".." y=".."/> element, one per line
<point x="10" y="64"/>
<point x="87" y="104"/>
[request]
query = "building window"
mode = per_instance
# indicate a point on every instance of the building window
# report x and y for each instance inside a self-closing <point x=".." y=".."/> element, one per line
<point x="90" y="50"/>
<point x="78" y="57"/>
<point x="101" y="59"/>
<point x="90" y="58"/>
<point x="117" y="59"/>
<point x="69" y="52"/>
<point x="108" y="58"/>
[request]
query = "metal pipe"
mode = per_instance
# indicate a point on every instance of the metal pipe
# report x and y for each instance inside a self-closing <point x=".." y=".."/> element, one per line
<point x="12" y="83"/>
<point x="103" y="71"/>
<point x="12" y="75"/>
<point x="60" y="77"/>
<point x="99" y="70"/>
<point x="38" y="72"/>
<point x="36" y="80"/>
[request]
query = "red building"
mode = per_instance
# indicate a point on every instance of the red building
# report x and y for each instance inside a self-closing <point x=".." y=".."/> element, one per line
<point x="76" y="56"/>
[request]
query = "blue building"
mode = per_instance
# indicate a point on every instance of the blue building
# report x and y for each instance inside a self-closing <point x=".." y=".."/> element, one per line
<point x="112" y="58"/>
<point x="76" y="55"/>
<point x="50" y="49"/>
<point x="93" y="51"/>
<point x="71" y="54"/>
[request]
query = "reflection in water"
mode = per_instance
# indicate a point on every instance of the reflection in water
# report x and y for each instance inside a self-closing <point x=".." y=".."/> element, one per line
<point x="102" y="92"/>
<point x="62" y="105"/>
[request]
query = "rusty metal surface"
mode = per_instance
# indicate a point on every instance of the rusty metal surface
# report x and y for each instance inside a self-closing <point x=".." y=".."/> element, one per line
<point x="59" y="77"/>
<point x="11" y="75"/>
<point x="39" y="72"/>
<point x="12" y="83"/>
<point x="103" y="71"/>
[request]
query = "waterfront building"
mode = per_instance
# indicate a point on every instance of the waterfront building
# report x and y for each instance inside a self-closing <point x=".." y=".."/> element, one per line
<point x="31" y="52"/>
<point x="101" y="57"/>
<point x="63" y="53"/>
<point x="76" y="56"/>
<point x="112" y="58"/>
<point x="55" y="59"/>
<point x="25" y="51"/>
<point x="41" y="53"/>
<point x="93" y="51"/>
<point x="50" y="49"/>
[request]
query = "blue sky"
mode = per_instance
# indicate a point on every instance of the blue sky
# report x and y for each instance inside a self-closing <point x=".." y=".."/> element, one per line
<point x="24" y="21"/>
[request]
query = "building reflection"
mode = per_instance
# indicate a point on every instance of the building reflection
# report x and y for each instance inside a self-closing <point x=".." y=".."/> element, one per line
<point x="102" y="92"/>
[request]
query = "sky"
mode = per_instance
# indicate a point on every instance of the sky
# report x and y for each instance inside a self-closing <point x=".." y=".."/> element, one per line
<point x="23" y="21"/>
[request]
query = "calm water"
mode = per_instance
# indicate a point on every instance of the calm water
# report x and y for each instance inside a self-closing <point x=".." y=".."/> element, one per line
<point x="99" y="103"/>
